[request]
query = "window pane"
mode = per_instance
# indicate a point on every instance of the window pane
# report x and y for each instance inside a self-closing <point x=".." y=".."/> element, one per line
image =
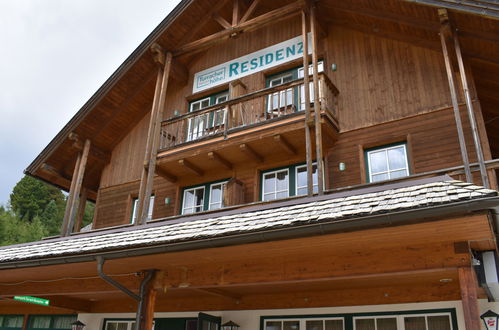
<point x="216" y="196"/>
<point x="314" y="325"/>
<point x="365" y="324"/>
<point x="386" y="324"/>
<point x="41" y="322"/>
<point x="63" y="322"/>
<point x="301" y="177"/>
<point x="398" y="174"/>
<point x="415" y="323"/>
<point x="441" y="322"/>
<point x="396" y="158"/>
<point x="269" y="182"/>
<point x="291" y="325"/>
<point x="273" y="325"/>
<point x="13" y="321"/>
<point x="334" y="325"/>
<point x="151" y="208"/>
<point x="282" y="180"/>
<point x="134" y="209"/>
<point x="205" y="103"/>
<point x="379" y="177"/>
<point x="377" y="161"/>
<point x="193" y="200"/>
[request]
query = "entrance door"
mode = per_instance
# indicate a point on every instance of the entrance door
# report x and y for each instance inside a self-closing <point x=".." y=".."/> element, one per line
<point x="208" y="322"/>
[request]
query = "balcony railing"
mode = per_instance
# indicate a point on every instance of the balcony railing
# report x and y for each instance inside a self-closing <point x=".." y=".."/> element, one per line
<point x="266" y="105"/>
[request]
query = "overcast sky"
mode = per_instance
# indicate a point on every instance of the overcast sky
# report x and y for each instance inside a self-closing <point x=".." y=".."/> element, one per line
<point x="54" y="54"/>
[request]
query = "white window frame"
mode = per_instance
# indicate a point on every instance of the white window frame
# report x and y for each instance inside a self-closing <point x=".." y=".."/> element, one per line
<point x="195" y="206"/>
<point x="135" y="204"/>
<point x="223" y="184"/>
<point x="130" y="324"/>
<point x="275" y="192"/>
<point x="400" y="319"/>
<point x="315" y="186"/>
<point x="282" y="96"/>
<point x="388" y="171"/>
<point x="302" y="321"/>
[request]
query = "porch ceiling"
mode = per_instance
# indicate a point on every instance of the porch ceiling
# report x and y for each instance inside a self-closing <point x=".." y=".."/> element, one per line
<point x="387" y="265"/>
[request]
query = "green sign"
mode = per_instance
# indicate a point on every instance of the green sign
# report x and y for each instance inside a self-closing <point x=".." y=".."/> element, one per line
<point x="33" y="300"/>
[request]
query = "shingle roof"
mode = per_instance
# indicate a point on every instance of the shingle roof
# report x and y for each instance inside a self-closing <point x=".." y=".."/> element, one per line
<point x="330" y="208"/>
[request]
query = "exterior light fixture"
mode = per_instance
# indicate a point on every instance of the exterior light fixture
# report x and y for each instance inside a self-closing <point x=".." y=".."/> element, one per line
<point x="334" y="67"/>
<point x="342" y="166"/>
<point x="230" y="326"/>
<point x="77" y="325"/>
<point x="489" y="318"/>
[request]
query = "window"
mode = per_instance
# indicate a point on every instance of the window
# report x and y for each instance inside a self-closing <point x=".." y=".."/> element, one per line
<point x="286" y="182"/>
<point x="306" y="324"/>
<point x="121" y="325"/>
<point x="203" y="198"/>
<point x="289" y="97"/>
<point x="11" y="322"/>
<point x="385" y="163"/>
<point x="199" y="126"/>
<point x="52" y="322"/>
<point x="135" y="204"/>
<point x="435" y="321"/>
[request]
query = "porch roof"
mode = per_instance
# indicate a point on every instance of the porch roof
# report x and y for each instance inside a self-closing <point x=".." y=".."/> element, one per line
<point x="347" y="210"/>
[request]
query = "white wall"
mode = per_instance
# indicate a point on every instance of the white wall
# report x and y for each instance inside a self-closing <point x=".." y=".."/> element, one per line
<point x="250" y="319"/>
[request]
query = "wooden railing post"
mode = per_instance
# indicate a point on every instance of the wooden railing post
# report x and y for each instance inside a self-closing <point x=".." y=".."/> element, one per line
<point x="317" y="104"/>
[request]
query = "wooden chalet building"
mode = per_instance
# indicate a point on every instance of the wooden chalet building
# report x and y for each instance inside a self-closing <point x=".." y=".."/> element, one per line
<point x="230" y="184"/>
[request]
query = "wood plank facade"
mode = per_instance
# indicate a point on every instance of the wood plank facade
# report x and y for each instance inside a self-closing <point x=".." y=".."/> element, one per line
<point x="378" y="83"/>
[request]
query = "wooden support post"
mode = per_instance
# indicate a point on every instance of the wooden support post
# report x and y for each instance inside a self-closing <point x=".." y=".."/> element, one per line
<point x="81" y="210"/>
<point x="306" y="88"/>
<point x="471" y="113"/>
<point x="74" y="191"/>
<point x="152" y="144"/>
<point x="147" y="312"/>
<point x="453" y="93"/>
<point x="221" y="21"/>
<point x="469" y="297"/>
<point x="317" y="103"/>
<point x="219" y="159"/>
<point x="71" y="196"/>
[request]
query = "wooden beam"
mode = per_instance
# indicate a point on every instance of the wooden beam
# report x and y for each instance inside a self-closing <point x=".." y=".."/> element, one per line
<point x="306" y="89"/>
<point x="206" y="18"/>
<point x="258" y="22"/>
<point x="235" y="12"/>
<point x="72" y="207"/>
<point x="251" y="153"/>
<point x="219" y="293"/>
<point x="152" y="144"/>
<point x="190" y="166"/>
<point x="284" y="143"/>
<point x="250" y="11"/>
<point x="219" y="159"/>
<point x="220" y="20"/>
<point x="52" y="171"/>
<point x="96" y="153"/>
<point x="444" y="34"/>
<point x="317" y="103"/>
<point x="71" y="303"/>
<point x="164" y="174"/>
<point x="81" y="210"/>
<point x="469" y="297"/>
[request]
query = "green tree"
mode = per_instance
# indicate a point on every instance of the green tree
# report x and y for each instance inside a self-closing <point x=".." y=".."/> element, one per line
<point x="30" y="197"/>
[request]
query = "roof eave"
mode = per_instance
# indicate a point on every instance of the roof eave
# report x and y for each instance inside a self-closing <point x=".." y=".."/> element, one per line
<point x="106" y="87"/>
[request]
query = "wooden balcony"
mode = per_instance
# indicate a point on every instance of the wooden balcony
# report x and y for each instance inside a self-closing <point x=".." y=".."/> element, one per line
<point x="264" y="125"/>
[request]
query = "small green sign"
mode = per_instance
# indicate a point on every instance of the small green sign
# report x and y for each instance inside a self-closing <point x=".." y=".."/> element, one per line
<point x="33" y="300"/>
